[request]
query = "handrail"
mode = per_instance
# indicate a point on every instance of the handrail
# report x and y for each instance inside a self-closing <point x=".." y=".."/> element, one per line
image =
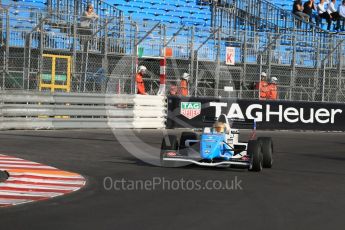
<point x="274" y="10"/>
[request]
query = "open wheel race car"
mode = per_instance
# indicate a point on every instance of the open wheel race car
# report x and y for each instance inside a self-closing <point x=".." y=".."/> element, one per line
<point x="217" y="146"/>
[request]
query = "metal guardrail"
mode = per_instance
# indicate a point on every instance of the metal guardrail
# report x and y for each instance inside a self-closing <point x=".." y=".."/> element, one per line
<point x="32" y="110"/>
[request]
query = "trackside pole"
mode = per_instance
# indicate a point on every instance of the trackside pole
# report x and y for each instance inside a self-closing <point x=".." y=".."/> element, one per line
<point x="162" y="76"/>
<point x="162" y="65"/>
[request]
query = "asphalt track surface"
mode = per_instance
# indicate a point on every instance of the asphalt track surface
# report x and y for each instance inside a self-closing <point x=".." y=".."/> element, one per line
<point x="304" y="190"/>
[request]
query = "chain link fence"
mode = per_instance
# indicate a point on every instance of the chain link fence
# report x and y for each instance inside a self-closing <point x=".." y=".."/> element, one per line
<point x="308" y="67"/>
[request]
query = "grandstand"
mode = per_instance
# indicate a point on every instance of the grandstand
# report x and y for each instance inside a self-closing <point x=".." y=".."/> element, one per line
<point x="173" y="12"/>
<point x="264" y="34"/>
<point x="232" y="17"/>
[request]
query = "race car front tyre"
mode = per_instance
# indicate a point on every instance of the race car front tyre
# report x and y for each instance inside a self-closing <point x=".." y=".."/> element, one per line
<point x="187" y="136"/>
<point x="267" y="151"/>
<point x="255" y="154"/>
<point x="169" y="142"/>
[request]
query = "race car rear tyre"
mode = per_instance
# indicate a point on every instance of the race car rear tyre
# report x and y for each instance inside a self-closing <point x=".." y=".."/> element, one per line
<point x="267" y="151"/>
<point x="187" y="136"/>
<point x="169" y="142"/>
<point x="255" y="154"/>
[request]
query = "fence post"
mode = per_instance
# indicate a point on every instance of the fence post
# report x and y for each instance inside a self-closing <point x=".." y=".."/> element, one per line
<point x="244" y="59"/>
<point x="28" y="59"/>
<point x="317" y="66"/>
<point x="40" y="67"/>
<point x="323" y="66"/>
<point x="86" y="62"/>
<point x="191" y="51"/>
<point x="196" y="71"/>
<point x="7" y="48"/>
<point x="293" y="66"/>
<point x="163" y="33"/>
<point x="340" y="69"/>
<point x="74" y="59"/>
<point x="217" y="64"/>
<point x="260" y="65"/>
<point x="135" y="56"/>
<point x="163" y="63"/>
<point x="269" y="55"/>
<point x="29" y="63"/>
<point x="244" y="47"/>
<point x="105" y="61"/>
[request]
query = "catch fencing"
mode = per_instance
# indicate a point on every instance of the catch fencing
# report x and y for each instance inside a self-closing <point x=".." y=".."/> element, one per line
<point x="309" y="66"/>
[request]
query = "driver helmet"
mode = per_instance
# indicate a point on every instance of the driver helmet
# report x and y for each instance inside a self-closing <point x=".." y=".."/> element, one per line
<point x="219" y="127"/>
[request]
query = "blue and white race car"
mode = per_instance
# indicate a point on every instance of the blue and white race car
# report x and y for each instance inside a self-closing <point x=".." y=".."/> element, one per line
<point x="217" y="146"/>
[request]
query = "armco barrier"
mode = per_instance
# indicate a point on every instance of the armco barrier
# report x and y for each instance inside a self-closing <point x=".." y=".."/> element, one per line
<point x="285" y="115"/>
<point x="34" y="110"/>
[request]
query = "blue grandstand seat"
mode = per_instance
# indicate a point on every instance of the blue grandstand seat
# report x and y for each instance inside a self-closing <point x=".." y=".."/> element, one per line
<point x="167" y="11"/>
<point x="172" y="12"/>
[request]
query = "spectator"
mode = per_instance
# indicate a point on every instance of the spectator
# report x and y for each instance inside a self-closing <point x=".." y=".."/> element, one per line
<point x="322" y="12"/>
<point x="333" y="12"/>
<point x="218" y="2"/>
<point x="184" y="84"/>
<point x="308" y="9"/>
<point x="297" y="9"/>
<point x="341" y="11"/>
<point x="87" y="22"/>
<point x="262" y="86"/>
<point x="139" y="80"/>
<point x="272" y="89"/>
<point x="205" y="2"/>
<point x="88" y="19"/>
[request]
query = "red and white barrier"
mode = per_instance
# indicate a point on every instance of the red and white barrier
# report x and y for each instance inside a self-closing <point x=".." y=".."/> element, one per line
<point x="162" y="76"/>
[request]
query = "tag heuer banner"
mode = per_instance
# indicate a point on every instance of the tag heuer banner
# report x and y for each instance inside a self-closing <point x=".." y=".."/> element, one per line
<point x="191" y="113"/>
<point x="190" y="109"/>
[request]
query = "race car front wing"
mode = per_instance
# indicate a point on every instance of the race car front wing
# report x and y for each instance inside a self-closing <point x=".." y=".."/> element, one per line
<point x="231" y="161"/>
